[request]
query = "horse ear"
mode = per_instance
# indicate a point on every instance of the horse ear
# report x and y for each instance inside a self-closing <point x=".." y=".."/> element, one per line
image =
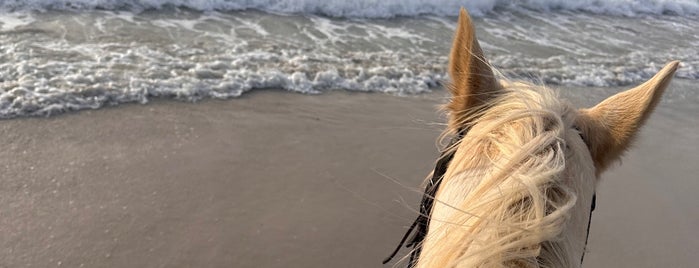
<point x="610" y="127"/>
<point x="473" y="83"/>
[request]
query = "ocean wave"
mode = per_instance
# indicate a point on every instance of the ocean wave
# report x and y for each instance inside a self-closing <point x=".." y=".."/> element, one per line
<point x="53" y="62"/>
<point x="44" y="89"/>
<point x="371" y="8"/>
<point x="35" y="87"/>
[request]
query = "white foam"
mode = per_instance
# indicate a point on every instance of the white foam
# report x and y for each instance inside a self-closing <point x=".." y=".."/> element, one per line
<point x="137" y="74"/>
<point x="373" y="8"/>
<point x="12" y="21"/>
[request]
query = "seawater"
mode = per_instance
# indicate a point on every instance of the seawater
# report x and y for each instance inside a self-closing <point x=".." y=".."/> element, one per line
<point x="58" y="56"/>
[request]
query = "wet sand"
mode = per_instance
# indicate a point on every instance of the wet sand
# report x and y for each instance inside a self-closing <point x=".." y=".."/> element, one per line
<point x="276" y="179"/>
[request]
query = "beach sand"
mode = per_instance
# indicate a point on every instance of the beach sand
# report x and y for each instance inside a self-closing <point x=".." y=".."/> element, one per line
<point x="277" y="179"/>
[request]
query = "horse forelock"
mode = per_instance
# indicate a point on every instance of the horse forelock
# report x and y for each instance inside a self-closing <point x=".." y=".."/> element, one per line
<point x="508" y="193"/>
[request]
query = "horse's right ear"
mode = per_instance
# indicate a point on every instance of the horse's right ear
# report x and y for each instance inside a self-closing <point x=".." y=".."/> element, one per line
<point x="610" y="127"/>
<point x="473" y="83"/>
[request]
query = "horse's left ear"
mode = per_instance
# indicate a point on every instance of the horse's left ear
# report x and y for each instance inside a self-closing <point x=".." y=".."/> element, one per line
<point x="610" y="127"/>
<point x="473" y="83"/>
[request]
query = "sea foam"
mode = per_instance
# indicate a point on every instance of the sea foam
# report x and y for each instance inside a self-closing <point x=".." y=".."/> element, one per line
<point x="57" y="61"/>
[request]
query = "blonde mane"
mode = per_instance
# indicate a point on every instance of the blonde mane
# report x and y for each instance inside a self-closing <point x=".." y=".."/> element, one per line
<point x="506" y="195"/>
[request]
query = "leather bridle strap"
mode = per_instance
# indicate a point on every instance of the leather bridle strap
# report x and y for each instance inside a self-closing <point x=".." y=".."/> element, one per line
<point x="421" y="223"/>
<point x="589" y="221"/>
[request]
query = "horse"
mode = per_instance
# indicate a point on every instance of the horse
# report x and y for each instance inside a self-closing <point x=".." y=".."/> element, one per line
<point x="516" y="186"/>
